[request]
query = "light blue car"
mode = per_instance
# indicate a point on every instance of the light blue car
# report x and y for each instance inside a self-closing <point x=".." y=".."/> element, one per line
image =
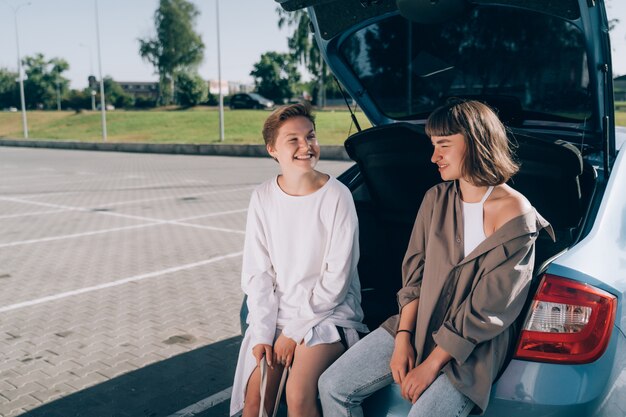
<point x="545" y="66"/>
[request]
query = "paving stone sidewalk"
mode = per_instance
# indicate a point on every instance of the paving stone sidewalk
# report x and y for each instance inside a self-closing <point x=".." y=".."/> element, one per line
<point x="114" y="268"/>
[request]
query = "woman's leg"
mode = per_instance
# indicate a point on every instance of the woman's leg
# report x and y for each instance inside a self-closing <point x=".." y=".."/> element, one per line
<point x="358" y="373"/>
<point x="308" y="365"/>
<point x="441" y="399"/>
<point x="253" y="391"/>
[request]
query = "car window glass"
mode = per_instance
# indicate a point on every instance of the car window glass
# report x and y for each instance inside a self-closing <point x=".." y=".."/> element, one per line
<point x="537" y="60"/>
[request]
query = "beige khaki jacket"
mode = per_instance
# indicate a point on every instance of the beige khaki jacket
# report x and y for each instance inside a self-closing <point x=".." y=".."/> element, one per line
<point x="482" y="293"/>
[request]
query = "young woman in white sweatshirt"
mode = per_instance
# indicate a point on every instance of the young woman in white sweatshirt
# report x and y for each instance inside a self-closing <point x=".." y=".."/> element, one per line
<point x="299" y="271"/>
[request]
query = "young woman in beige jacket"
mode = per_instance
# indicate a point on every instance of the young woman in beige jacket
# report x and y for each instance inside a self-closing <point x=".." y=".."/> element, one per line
<point x="466" y="276"/>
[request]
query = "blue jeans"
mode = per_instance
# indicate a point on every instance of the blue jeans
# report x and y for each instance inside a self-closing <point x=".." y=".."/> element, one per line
<point x="364" y="369"/>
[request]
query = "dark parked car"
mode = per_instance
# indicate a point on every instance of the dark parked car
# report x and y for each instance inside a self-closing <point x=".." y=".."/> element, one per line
<point x="546" y="69"/>
<point x="250" y="101"/>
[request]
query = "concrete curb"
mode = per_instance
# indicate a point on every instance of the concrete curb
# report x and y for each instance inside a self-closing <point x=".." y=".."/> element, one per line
<point x="329" y="152"/>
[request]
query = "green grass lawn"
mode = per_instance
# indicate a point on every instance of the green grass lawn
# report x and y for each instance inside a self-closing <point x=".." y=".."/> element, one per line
<point x="199" y="125"/>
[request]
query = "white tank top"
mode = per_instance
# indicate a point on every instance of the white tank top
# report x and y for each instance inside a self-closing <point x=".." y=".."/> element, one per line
<point x="473" y="225"/>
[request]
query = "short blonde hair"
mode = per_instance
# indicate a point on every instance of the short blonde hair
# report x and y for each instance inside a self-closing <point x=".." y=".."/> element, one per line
<point x="280" y="116"/>
<point x="488" y="158"/>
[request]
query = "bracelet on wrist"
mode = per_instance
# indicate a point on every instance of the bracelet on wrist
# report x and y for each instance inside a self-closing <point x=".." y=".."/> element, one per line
<point x="404" y="331"/>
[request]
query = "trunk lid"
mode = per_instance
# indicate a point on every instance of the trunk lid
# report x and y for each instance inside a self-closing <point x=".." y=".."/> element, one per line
<point x="545" y="66"/>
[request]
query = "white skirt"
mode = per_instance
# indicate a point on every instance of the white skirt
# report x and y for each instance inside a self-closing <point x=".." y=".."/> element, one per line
<point x="325" y="332"/>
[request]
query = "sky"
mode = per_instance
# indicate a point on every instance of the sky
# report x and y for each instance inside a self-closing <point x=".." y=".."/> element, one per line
<point x="248" y="28"/>
<point x="67" y="29"/>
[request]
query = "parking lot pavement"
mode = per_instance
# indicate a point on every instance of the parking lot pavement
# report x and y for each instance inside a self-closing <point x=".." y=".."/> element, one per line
<point x="120" y="280"/>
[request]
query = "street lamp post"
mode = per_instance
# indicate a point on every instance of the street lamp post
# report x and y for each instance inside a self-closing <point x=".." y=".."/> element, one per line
<point x="58" y="94"/>
<point x="102" y="103"/>
<point x="19" y="68"/>
<point x="219" y="72"/>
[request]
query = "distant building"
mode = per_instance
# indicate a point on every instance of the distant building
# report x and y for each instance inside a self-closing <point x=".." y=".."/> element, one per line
<point x="143" y="89"/>
<point x="229" y="87"/>
<point x="150" y="90"/>
<point x="619" y="88"/>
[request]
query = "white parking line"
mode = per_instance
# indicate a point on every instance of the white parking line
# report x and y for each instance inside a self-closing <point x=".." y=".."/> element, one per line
<point x="61" y="237"/>
<point x="117" y="229"/>
<point x="205" y="404"/>
<point x="89" y="209"/>
<point x="218" y="213"/>
<point x="33" y="213"/>
<point x="152" y="222"/>
<point x="7" y="177"/>
<point x="117" y="283"/>
<point x="231" y="190"/>
<point x="51" y="194"/>
<point x="57" y="180"/>
<point x="119" y="203"/>
<point x="181" y="222"/>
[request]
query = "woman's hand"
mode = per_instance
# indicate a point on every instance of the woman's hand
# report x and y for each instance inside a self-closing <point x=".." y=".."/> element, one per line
<point x="284" y="347"/>
<point x="418" y="379"/>
<point x="260" y="350"/>
<point x="403" y="358"/>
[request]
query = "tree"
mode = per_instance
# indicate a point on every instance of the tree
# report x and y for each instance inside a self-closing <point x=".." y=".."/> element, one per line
<point x="115" y="95"/>
<point x="302" y="46"/>
<point x="9" y="96"/>
<point x="43" y="78"/>
<point x="77" y="100"/>
<point x="275" y="76"/>
<point x="175" y="47"/>
<point x="304" y="50"/>
<point x="192" y="89"/>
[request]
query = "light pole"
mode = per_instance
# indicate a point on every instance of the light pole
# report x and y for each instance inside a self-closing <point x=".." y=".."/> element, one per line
<point x="91" y="88"/>
<point x="102" y="104"/>
<point x="219" y="72"/>
<point x="58" y="94"/>
<point x="19" y="68"/>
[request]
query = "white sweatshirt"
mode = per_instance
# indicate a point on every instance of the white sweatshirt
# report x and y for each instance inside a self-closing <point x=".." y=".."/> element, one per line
<point x="299" y="270"/>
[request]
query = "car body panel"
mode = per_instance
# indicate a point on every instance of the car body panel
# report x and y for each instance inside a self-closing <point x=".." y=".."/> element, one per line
<point x="250" y="101"/>
<point x="600" y="258"/>
<point x="541" y="389"/>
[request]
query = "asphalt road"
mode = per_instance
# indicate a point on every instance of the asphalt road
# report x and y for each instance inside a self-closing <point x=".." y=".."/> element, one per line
<point x="119" y="278"/>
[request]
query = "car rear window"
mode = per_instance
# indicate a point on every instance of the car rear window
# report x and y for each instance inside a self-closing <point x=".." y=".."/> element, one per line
<point x="535" y="60"/>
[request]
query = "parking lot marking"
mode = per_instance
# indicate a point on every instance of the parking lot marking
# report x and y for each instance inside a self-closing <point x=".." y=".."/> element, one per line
<point x="205" y="404"/>
<point x="34" y="213"/>
<point x="39" y="203"/>
<point x="119" y="203"/>
<point x="123" y="281"/>
<point x="182" y="222"/>
<point x="26" y="177"/>
<point x="218" y="213"/>
<point x="152" y="222"/>
<point x="145" y="200"/>
<point x="74" y="235"/>
<point x="117" y="229"/>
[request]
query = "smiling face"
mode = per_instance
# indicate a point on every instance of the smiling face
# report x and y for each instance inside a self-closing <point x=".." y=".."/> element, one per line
<point x="296" y="148"/>
<point x="449" y="154"/>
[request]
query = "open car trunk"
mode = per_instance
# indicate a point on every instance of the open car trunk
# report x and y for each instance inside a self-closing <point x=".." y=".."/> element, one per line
<point x="545" y="67"/>
<point x="394" y="171"/>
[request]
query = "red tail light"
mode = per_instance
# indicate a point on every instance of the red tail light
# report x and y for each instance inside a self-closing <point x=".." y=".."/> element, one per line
<point x="568" y="322"/>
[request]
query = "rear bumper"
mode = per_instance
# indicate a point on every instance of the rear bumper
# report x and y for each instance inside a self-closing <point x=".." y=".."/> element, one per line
<point x="542" y="389"/>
